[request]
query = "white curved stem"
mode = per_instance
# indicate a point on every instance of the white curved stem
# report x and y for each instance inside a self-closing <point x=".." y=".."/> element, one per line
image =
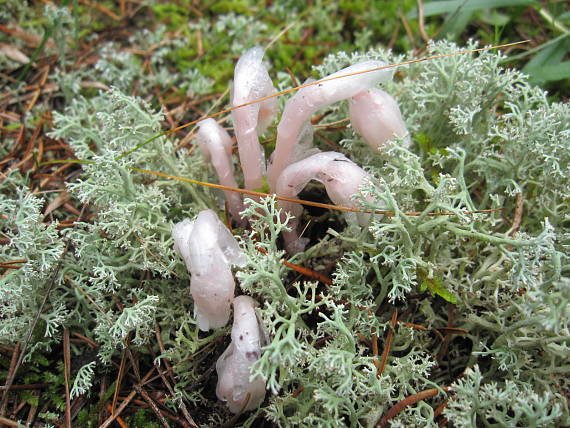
<point x="252" y="82"/>
<point x="208" y="249"/>
<point x="376" y="117"/>
<point x="234" y="365"/>
<point x="216" y="146"/>
<point x="341" y="177"/>
<point x="310" y="99"/>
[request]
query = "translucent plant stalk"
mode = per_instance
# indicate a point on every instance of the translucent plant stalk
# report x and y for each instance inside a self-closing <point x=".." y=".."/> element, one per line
<point x="234" y="365"/>
<point x="209" y="249"/>
<point x="252" y="82"/>
<point x="299" y="109"/>
<point x="341" y="177"/>
<point x="376" y="117"/>
<point x="216" y="146"/>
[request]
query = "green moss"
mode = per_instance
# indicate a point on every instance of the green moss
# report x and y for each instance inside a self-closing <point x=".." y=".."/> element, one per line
<point x="173" y="15"/>
<point x="237" y="6"/>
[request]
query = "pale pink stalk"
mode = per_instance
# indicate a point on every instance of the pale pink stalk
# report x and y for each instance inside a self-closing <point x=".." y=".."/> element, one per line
<point x="208" y="249"/>
<point x="376" y="117"/>
<point x="342" y="179"/>
<point x="234" y="365"/>
<point x="310" y="99"/>
<point x="216" y="146"/>
<point x="252" y="82"/>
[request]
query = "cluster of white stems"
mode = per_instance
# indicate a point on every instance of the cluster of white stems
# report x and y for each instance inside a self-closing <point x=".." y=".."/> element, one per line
<point x="208" y="247"/>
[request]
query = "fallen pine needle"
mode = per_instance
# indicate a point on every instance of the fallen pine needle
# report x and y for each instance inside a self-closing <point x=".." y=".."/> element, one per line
<point x="387" y="344"/>
<point x="301" y="201"/>
<point x="408" y="401"/>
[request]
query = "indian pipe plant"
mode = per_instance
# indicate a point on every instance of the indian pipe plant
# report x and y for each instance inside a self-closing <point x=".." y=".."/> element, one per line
<point x="429" y="306"/>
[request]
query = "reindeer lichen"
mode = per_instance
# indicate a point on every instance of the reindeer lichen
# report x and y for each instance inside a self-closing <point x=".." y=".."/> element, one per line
<point x="474" y="302"/>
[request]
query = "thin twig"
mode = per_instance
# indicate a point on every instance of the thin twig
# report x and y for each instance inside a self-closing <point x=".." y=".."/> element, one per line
<point x="118" y="411"/>
<point x="302" y="270"/>
<point x="67" y="375"/>
<point x="119" y="420"/>
<point x="11" y="262"/>
<point x="414" y="326"/>
<point x="152" y="405"/>
<point x="375" y="354"/>
<point x="185" y="412"/>
<point x="164" y="412"/>
<point x="162" y="348"/>
<point x="31" y="328"/>
<point x="23" y="387"/>
<point x="452" y="330"/>
<point x="118" y="381"/>
<point x="126" y="401"/>
<point x="281" y="33"/>
<point x="90" y="342"/>
<point x="33" y="410"/>
<point x="101" y="9"/>
<point x="11" y="371"/>
<point x="332" y="124"/>
<point x="408" y="401"/>
<point x="448" y="334"/>
<point x="388" y="344"/>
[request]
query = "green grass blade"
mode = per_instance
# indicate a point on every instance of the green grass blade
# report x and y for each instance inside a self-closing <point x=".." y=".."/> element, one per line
<point x="435" y="8"/>
<point x="551" y="72"/>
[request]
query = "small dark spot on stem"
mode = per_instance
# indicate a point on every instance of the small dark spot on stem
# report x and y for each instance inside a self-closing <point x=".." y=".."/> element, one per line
<point x="253" y="355"/>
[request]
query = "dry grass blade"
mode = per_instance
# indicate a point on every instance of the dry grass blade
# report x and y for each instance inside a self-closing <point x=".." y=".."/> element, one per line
<point x="11" y="376"/>
<point x="300" y="201"/>
<point x="119" y="380"/>
<point x="67" y="376"/>
<point x="305" y="85"/>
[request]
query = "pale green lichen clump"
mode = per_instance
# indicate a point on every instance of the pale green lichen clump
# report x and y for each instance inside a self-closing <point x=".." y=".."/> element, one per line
<point x="481" y="138"/>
